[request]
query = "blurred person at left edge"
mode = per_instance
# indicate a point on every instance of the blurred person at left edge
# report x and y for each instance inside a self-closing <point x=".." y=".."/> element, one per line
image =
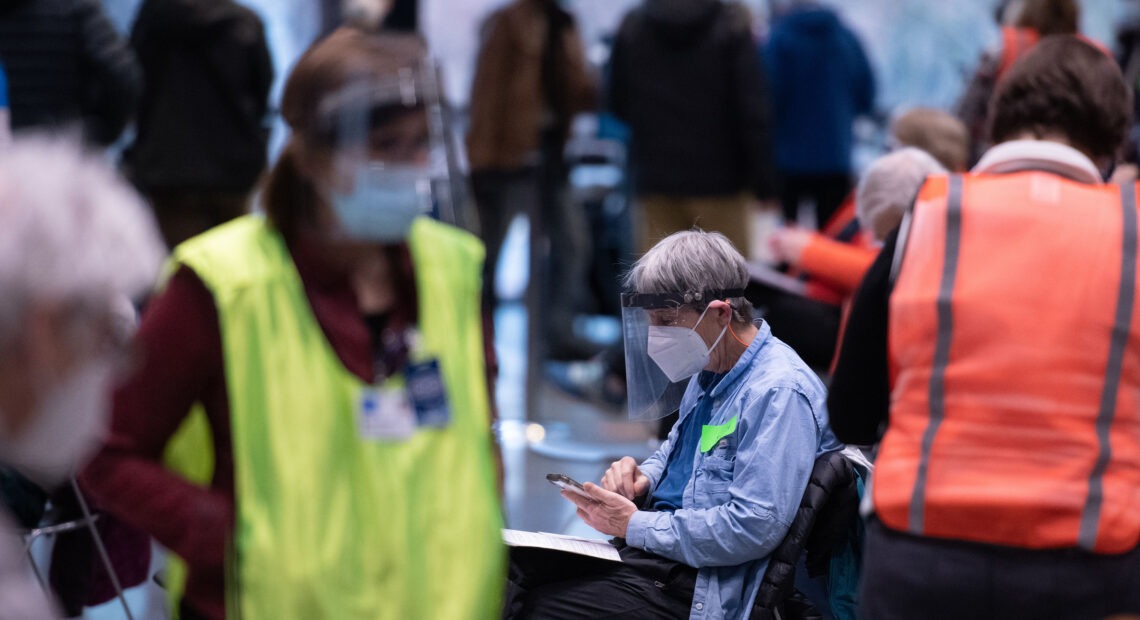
<point x="76" y="244"/>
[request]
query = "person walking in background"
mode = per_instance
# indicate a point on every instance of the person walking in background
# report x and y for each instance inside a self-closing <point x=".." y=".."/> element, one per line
<point x="995" y="340"/>
<point x="685" y="77"/>
<point x="821" y="82"/>
<point x="335" y="346"/>
<point x="76" y="244"/>
<point x="1023" y="24"/>
<point x="202" y="126"/>
<point x="67" y="68"/>
<point x="531" y="79"/>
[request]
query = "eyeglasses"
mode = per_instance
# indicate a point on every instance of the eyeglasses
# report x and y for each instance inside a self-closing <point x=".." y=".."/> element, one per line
<point x="672" y="317"/>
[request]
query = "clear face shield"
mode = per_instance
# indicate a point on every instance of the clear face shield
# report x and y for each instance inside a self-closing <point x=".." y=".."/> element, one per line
<point x="390" y="161"/>
<point x="661" y="355"/>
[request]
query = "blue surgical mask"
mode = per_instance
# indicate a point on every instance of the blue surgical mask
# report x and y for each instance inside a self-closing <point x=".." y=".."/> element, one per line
<point x="383" y="202"/>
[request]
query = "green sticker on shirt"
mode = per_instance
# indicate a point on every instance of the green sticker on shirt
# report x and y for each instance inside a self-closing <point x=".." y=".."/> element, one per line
<point x="710" y="434"/>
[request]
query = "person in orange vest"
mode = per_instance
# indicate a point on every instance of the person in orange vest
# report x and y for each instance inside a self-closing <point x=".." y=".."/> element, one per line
<point x="1023" y="24"/>
<point x="994" y="338"/>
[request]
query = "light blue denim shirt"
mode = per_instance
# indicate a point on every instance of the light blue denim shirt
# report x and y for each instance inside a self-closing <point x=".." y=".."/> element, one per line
<point x="746" y="486"/>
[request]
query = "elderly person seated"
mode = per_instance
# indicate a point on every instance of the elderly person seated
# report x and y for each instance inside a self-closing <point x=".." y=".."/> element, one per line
<point x="75" y="243"/>
<point x="696" y="521"/>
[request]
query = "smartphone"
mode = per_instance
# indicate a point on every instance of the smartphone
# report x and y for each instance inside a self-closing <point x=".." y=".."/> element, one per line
<point x="567" y="483"/>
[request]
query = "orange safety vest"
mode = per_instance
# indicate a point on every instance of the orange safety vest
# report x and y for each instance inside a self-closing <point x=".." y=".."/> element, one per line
<point x="1015" y="42"/>
<point x="1015" y="357"/>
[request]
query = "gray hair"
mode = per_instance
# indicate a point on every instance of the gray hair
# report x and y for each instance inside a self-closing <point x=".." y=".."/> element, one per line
<point x="889" y="186"/>
<point x="693" y="261"/>
<point x="71" y="231"/>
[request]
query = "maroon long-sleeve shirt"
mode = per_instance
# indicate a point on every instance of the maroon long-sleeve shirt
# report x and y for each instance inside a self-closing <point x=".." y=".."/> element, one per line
<point x="182" y="363"/>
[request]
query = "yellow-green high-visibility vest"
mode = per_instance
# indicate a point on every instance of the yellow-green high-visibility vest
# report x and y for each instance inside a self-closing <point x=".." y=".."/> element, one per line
<point x="330" y="524"/>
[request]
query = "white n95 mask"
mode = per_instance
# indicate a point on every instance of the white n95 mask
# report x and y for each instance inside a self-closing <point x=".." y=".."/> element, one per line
<point x="680" y="352"/>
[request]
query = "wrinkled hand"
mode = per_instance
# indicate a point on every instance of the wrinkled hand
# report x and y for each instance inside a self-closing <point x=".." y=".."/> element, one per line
<point x="788" y="244"/>
<point x="624" y="478"/>
<point x="608" y="512"/>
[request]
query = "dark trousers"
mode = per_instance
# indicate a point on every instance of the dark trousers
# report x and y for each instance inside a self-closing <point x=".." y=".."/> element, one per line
<point x="907" y="577"/>
<point x="825" y="191"/>
<point x="551" y="584"/>
<point x="499" y="197"/>
<point x="539" y="193"/>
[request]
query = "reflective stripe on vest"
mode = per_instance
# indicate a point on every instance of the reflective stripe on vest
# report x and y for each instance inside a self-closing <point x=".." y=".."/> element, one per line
<point x="1125" y="298"/>
<point x="1015" y="406"/>
<point x="941" y="351"/>
<point x="330" y="525"/>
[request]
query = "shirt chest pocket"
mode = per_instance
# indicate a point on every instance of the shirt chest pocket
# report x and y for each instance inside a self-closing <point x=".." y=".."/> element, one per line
<point x="716" y="467"/>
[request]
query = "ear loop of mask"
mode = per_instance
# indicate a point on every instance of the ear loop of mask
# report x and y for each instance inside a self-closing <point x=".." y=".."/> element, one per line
<point x="732" y="331"/>
<point x="717" y="341"/>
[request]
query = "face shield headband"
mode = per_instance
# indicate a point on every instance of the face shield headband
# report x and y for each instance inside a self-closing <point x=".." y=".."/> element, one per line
<point x="651" y="392"/>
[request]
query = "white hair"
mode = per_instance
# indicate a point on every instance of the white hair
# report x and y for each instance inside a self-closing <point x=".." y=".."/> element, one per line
<point x="692" y="261"/>
<point x="71" y="230"/>
<point x="889" y="186"/>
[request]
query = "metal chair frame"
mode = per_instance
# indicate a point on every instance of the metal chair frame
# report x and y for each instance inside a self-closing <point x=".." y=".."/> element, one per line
<point x="87" y="521"/>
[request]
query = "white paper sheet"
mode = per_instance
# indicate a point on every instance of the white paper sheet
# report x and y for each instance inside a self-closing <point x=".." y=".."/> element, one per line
<point x="571" y="544"/>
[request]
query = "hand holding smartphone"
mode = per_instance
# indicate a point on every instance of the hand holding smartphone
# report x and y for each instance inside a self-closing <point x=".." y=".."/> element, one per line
<point x="567" y="483"/>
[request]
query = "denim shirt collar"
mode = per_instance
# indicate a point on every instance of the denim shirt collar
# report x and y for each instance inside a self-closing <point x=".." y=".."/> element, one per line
<point x="741" y="367"/>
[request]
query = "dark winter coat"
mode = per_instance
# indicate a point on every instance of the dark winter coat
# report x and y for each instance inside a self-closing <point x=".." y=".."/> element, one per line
<point x="202" y="122"/>
<point x="821" y="81"/>
<point x="514" y="96"/>
<point x="826" y="518"/>
<point x="67" y="67"/>
<point x="685" y="77"/>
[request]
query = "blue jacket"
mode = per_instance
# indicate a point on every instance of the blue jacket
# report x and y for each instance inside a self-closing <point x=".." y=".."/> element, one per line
<point x="768" y="425"/>
<point x="819" y="80"/>
<point x="3" y="88"/>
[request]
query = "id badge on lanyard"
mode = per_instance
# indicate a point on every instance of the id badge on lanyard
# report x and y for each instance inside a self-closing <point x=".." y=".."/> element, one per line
<point x="415" y="399"/>
<point x="427" y="394"/>
<point x="385" y="413"/>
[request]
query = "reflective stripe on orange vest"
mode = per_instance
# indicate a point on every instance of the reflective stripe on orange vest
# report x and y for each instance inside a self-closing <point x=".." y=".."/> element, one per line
<point x="1015" y="408"/>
